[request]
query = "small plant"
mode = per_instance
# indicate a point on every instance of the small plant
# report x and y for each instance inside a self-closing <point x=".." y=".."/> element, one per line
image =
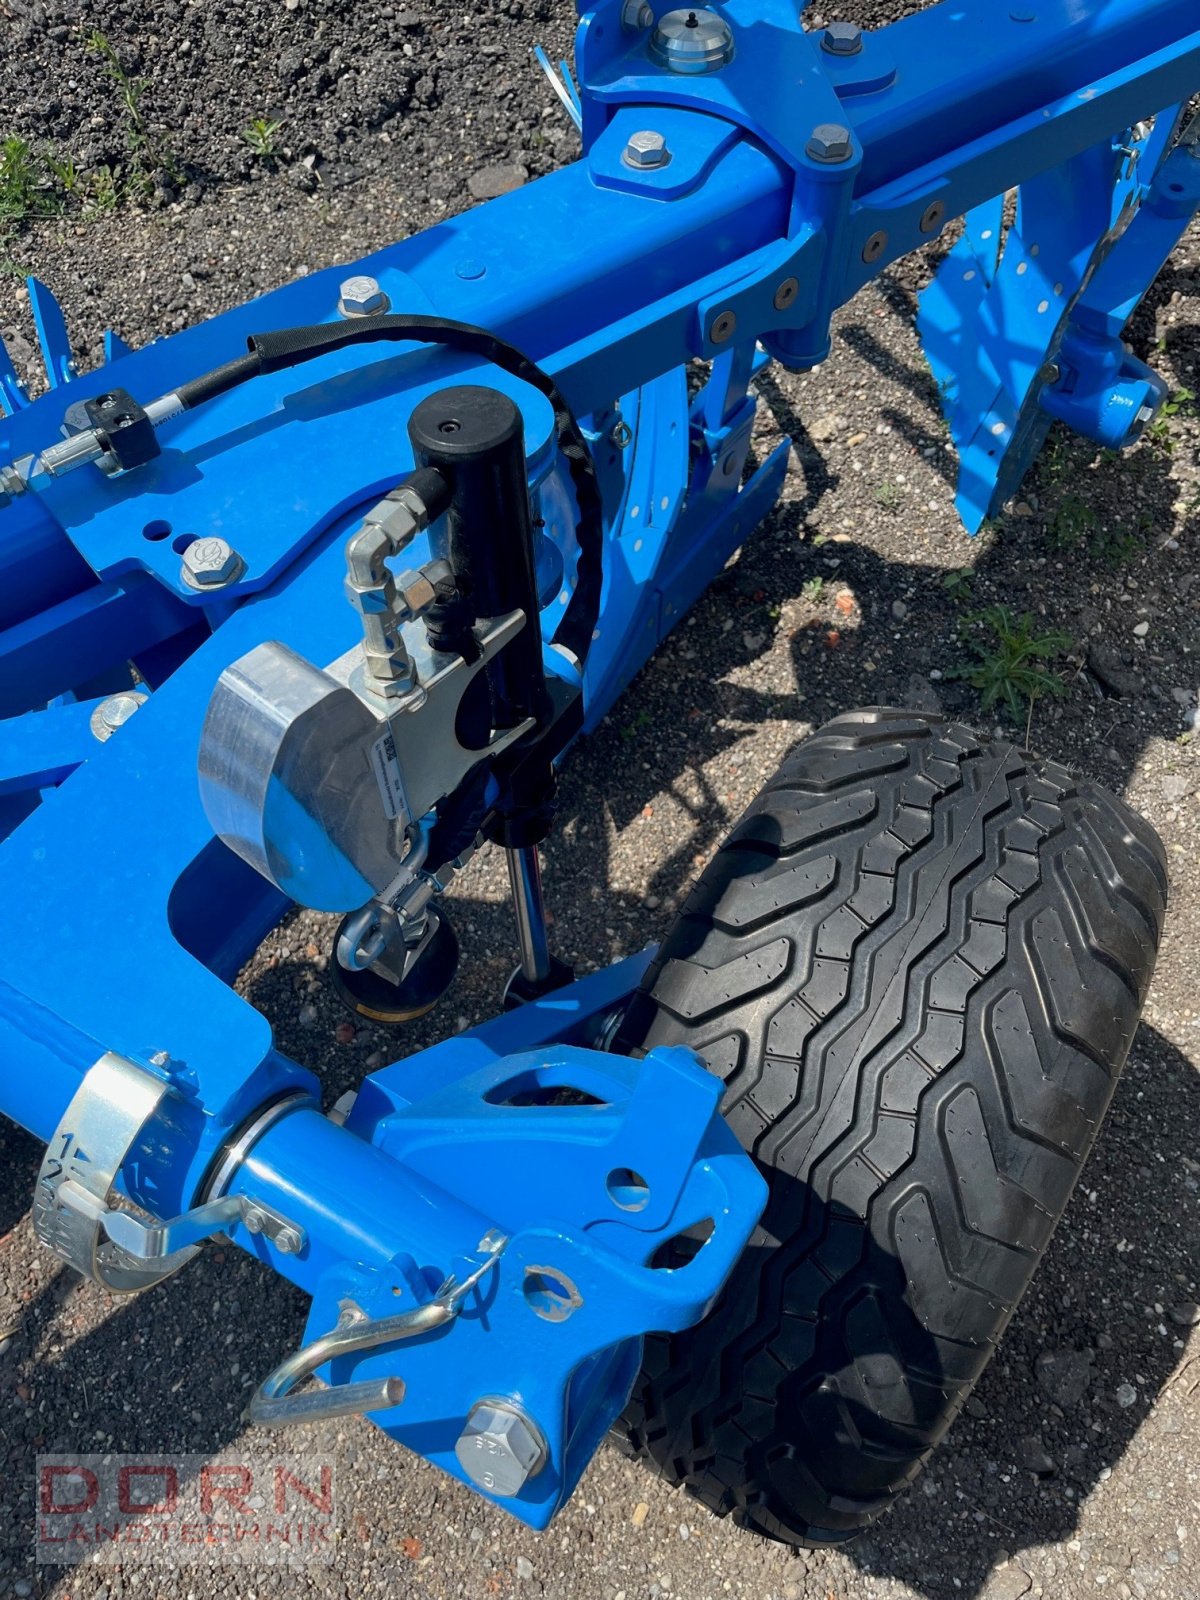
<point x="889" y="497"/>
<point x="102" y="193"/>
<point x="66" y="174"/>
<point x="25" y="188"/>
<point x="147" y="152"/>
<point x="812" y="590"/>
<point x="1011" y="660"/>
<point x="1181" y="404"/>
<point x="1073" y="522"/>
<point x="261" y="136"/>
<point x="958" y="584"/>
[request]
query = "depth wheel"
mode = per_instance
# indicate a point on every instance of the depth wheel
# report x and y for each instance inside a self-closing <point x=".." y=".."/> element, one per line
<point x="918" y="962"/>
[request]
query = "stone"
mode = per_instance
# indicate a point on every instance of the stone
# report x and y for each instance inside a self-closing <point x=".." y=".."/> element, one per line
<point x="826" y="428"/>
<point x="1126" y="1396"/>
<point x="489" y="182"/>
<point x="1008" y="1583"/>
<point x="1185" y="1315"/>
<point x="1141" y="629"/>
<point x="1064" y="1374"/>
<point x="1034" y="1456"/>
<point x="1175" y="785"/>
<point x="524" y="1568"/>
<point x="1116" y="674"/>
<point x="899" y="610"/>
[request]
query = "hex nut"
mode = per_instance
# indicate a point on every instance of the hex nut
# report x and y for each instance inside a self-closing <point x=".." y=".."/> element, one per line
<point x="500" y="1448"/>
<point x="415" y="594"/>
<point x="637" y="16"/>
<point x="830" y="143"/>
<point x="210" y="563"/>
<point x="842" y="39"/>
<point x="646" y="149"/>
<point x="396" y="520"/>
<point x="362" y="297"/>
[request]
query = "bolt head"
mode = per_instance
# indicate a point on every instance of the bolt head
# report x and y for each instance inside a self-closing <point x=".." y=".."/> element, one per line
<point x="647" y="149"/>
<point x="415" y="593"/>
<point x="362" y="297"/>
<point x="830" y="142"/>
<point x="785" y="294"/>
<point x="875" y="246"/>
<point x="209" y="563"/>
<point x="842" y="39"/>
<point x="723" y="327"/>
<point x="500" y="1448"/>
<point x="287" y="1242"/>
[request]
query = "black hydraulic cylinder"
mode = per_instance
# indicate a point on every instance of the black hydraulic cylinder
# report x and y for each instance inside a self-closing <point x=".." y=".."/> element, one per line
<point x="475" y="438"/>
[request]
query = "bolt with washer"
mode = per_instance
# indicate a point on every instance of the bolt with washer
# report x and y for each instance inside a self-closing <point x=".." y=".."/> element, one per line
<point x="210" y="564"/>
<point x="500" y="1448"/>
<point x="287" y="1242"/>
<point x="646" y="149"/>
<point x="637" y="16"/>
<point x="362" y="297"/>
<point x="830" y="143"/>
<point x="842" y="39"/>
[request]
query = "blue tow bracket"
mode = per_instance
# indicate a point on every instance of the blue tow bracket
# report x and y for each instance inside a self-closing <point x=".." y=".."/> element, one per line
<point x="595" y="1198"/>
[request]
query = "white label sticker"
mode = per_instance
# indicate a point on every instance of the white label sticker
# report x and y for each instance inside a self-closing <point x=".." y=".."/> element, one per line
<point x="387" y="776"/>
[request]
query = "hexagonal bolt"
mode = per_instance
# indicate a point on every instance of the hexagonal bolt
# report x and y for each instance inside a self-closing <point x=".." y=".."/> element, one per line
<point x="830" y="142"/>
<point x="500" y="1448"/>
<point x="646" y="149"/>
<point x="210" y="563"/>
<point x="842" y="39"/>
<point x="415" y="593"/>
<point x="637" y="16"/>
<point x="113" y="713"/>
<point x="362" y="297"/>
<point x="287" y="1242"/>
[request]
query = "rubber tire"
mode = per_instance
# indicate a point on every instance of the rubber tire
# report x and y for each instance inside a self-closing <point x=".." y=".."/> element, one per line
<point x="918" y="962"/>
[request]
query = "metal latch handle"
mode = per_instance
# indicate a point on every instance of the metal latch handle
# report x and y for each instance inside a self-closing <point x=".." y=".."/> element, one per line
<point x="273" y="1403"/>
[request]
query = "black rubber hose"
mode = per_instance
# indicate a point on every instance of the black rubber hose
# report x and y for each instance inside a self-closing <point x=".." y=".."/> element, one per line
<point x="291" y="347"/>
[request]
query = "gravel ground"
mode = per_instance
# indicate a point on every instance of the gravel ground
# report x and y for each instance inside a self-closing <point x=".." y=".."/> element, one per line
<point x="1076" y="1467"/>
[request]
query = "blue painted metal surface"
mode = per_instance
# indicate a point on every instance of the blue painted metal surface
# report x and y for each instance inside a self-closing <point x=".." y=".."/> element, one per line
<point x="613" y="278"/>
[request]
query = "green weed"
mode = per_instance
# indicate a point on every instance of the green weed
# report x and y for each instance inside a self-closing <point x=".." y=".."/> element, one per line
<point x="1011" y="660"/>
<point x="148" y="151"/>
<point x="261" y="136"/>
<point x="26" y="187"/>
